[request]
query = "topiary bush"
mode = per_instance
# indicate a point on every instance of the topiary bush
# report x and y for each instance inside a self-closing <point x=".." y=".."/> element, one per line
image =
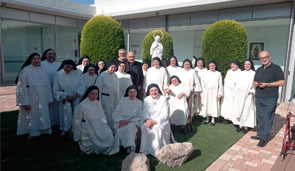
<point x="101" y="38"/>
<point x="166" y="42"/>
<point x="224" y="41"/>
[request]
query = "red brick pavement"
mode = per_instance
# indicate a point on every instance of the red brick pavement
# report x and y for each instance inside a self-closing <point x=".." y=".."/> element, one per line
<point x="7" y="98"/>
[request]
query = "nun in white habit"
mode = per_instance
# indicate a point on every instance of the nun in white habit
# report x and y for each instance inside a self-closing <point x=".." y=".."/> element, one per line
<point x="89" y="76"/>
<point x="108" y="84"/>
<point x="179" y="110"/>
<point x="157" y="75"/>
<point x="173" y="68"/>
<point x="124" y="79"/>
<point x="33" y="96"/>
<point x="230" y="83"/>
<point x="244" y="105"/>
<point x="90" y="128"/>
<point x="189" y="78"/>
<point x="155" y="128"/>
<point x="50" y="66"/>
<point x="83" y="62"/>
<point x="127" y="117"/>
<point x="67" y="90"/>
<point x="212" y="93"/>
<point x="201" y="70"/>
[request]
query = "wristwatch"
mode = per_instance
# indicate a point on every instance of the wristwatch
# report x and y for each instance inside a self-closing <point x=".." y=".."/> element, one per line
<point x="268" y="85"/>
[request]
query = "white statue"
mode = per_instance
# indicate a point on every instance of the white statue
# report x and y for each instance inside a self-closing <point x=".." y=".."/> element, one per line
<point x="157" y="48"/>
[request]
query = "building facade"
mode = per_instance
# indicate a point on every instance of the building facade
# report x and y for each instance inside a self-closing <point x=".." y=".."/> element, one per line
<point x="269" y="24"/>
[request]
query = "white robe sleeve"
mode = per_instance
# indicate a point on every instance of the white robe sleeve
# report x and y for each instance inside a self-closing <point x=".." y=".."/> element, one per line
<point x="163" y="118"/>
<point x="165" y="84"/>
<point x="57" y="92"/>
<point x="22" y="95"/>
<point x="77" y="121"/>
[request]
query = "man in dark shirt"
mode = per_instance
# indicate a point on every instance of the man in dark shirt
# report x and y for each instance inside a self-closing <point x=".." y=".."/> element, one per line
<point x="121" y="57"/>
<point x="267" y="80"/>
<point x="134" y="69"/>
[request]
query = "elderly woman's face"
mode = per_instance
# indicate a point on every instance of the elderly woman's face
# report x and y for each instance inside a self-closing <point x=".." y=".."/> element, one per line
<point x="187" y="66"/>
<point x="200" y="64"/>
<point x="112" y="69"/>
<point x="247" y="65"/>
<point x="154" y="92"/>
<point x="156" y="63"/>
<point x="91" y="71"/>
<point x="50" y="56"/>
<point x="68" y="68"/>
<point x="174" y="81"/>
<point x="85" y="61"/>
<point x="172" y="61"/>
<point x="212" y="67"/>
<point x="93" y="95"/>
<point x="101" y="65"/>
<point x="132" y="94"/>
<point x="234" y="67"/>
<point x="36" y="61"/>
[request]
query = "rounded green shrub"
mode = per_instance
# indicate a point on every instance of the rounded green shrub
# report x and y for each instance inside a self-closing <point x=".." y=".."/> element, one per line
<point x="224" y="41"/>
<point x="101" y="38"/>
<point x="166" y="42"/>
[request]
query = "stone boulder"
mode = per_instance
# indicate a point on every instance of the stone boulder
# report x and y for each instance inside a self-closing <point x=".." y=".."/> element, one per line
<point x="175" y="154"/>
<point x="136" y="162"/>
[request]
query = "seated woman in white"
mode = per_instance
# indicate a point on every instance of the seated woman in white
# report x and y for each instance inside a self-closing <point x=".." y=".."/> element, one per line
<point x="179" y="110"/>
<point x="127" y="117"/>
<point x="90" y="126"/>
<point x="33" y="96"/>
<point x="155" y="128"/>
<point x="67" y="90"/>
<point x="83" y="62"/>
<point x="89" y="75"/>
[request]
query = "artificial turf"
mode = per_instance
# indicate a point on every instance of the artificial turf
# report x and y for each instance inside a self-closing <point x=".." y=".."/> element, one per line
<point x="52" y="152"/>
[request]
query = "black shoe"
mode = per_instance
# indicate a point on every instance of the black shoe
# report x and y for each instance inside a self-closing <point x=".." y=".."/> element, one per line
<point x="226" y="121"/>
<point x="212" y="124"/>
<point x="245" y="130"/>
<point x="261" y="143"/>
<point x="238" y="129"/>
<point x="206" y="122"/>
<point x="255" y="137"/>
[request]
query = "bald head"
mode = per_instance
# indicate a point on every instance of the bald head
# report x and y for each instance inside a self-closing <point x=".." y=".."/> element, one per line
<point x="131" y="57"/>
<point x="264" y="57"/>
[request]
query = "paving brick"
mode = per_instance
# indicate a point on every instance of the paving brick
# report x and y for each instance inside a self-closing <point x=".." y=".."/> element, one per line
<point x="253" y="151"/>
<point x="236" y="147"/>
<point x="226" y="156"/>
<point x="268" y="161"/>
<point x="251" y="164"/>
<point x="265" y="151"/>
<point x="233" y="169"/>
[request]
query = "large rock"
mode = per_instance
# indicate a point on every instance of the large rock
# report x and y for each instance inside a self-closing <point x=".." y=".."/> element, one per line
<point x="175" y="154"/>
<point x="136" y="162"/>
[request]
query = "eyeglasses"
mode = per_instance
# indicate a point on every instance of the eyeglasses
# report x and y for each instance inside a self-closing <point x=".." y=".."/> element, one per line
<point x="263" y="57"/>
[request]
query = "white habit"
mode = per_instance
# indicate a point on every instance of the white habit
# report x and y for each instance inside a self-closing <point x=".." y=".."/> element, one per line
<point x="80" y="68"/>
<point x="198" y="101"/>
<point x="158" y="76"/>
<point x="33" y="88"/>
<point x="152" y="140"/>
<point x="109" y="91"/>
<point x="91" y="130"/>
<point x="179" y="110"/>
<point x="51" y="69"/>
<point x="212" y="88"/>
<point x="124" y="82"/>
<point x="174" y="70"/>
<point x="67" y="85"/>
<point x="127" y="110"/>
<point x="88" y="79"/>
<point x="244" y="105"/>
<point x="228" y="99"/>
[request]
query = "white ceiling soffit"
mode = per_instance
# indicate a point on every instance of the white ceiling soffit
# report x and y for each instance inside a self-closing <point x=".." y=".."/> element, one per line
<point x="130" y="9"/>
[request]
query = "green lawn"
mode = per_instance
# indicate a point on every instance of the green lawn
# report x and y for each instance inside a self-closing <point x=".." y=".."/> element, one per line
<point x="56" y="153"/>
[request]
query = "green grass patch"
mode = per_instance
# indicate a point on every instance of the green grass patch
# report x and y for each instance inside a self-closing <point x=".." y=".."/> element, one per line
<point x="53" y="152"/>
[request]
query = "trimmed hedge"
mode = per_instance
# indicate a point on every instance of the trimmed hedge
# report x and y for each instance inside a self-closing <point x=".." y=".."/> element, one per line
<point x="101" y="38"/>
<point x="224" y="41"/>
<point x="166" y="42"/>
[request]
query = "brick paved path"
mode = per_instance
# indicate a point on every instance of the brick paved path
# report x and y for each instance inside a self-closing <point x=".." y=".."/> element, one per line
<point x="244" y="155"/>
<point x="7" y="98"/>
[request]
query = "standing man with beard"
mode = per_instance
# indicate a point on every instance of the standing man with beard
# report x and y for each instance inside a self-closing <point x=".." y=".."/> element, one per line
<point x="121" y="57"/>
<point x="134" y="68"/>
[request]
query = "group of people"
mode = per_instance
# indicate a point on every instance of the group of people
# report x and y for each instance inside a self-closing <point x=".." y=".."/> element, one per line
<point x="122" y="101"/>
